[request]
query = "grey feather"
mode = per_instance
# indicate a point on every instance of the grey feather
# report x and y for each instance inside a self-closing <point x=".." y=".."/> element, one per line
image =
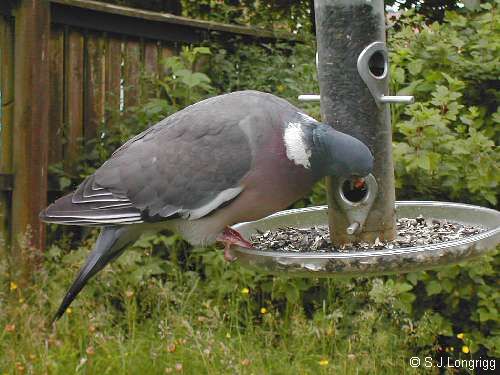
<point x="183" y="163"/>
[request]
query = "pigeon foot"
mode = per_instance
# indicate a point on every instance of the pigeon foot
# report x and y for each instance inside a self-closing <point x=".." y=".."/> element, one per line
<point x="231" y="237"/>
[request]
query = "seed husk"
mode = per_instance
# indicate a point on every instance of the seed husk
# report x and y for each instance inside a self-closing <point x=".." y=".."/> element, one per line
<point x="411" y="232"/>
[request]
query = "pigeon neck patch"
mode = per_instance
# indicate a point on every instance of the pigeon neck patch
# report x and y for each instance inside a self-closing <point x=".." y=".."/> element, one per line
<point x="295" y="144"/>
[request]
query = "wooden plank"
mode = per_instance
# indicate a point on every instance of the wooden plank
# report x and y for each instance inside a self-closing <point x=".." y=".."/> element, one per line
<point x="167" y="18"/>
<point x="132" y="71"/>
<point x="6" y="118"/>
<point x="94" y="85"/>
<point x="113" y="66"/>
<point x="7" y="88"/>
<point x="56" y="90"/>
<point x="167" y="50"/>
<point x="73" y="114"/>
<point x="31" y="117"/>
<point x="124" y="25"/>
<point x="151" y="70"/>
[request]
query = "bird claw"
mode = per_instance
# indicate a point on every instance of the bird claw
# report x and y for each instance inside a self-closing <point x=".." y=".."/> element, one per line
<point x="231" y="237"/>
<point x="228" y="256"/>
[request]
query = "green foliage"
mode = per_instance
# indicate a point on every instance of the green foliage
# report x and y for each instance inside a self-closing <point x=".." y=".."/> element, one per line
<point x="282" y="69"/>
<point x="290" y="15"/>
<point x="159" y="305"/>
<point x="445" y="143"/>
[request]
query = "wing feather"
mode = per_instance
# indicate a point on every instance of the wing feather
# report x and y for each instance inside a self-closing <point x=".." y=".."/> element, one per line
<point x="187" y="165"/>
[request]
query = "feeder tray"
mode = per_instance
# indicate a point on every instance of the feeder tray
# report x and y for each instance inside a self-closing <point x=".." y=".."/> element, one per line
<point x="373" y="262"/>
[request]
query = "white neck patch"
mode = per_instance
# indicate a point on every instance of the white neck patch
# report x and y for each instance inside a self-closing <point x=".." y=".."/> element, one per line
<point x="296" y="149"/>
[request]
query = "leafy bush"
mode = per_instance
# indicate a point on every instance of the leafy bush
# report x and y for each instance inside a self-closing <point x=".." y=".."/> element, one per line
<point x="445" y="143"/>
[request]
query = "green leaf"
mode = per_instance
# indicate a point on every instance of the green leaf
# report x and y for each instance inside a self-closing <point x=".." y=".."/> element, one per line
<point x="202" y="50"/>
<point x="415" y="67"/>
<point x="398" y="75"/>
<point x="195" y="79"/>
<point x="424" y="161"/>
<point x="64" y="182"/>
<point x="403" y="287"/>
<point x="433" y="287"/>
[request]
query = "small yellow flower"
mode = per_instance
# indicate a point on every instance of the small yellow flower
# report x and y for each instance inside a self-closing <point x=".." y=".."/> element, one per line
<point x="452" y="349"/>
<point x="69" y="311"/>
<point x="228" y="335"/>
<point x="245" y="291"/>
<point x="460" y="336"/>
<point x="465" y="349"/>
<point x="13" y="286"/>
<point x="263" y="310"/>
<point x="21" y="300"/>
<point x="323" y="362"/>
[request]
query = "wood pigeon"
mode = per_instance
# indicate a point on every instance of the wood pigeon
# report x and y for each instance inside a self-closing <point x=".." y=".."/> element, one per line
<point x="227" y="159"/>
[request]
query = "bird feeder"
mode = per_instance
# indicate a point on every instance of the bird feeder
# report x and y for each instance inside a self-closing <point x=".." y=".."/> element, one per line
<point x="353" y="72"/>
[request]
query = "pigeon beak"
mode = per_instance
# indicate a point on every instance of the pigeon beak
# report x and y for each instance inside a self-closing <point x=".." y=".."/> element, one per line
<point x="359" y="182"/>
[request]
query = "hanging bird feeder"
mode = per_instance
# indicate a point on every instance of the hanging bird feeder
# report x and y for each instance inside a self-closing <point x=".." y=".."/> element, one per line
<point x="353" y="71"/>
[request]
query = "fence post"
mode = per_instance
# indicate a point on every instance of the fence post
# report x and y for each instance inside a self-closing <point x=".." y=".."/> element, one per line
<point x="6" y="115"/>
<point x="31" y="116"/>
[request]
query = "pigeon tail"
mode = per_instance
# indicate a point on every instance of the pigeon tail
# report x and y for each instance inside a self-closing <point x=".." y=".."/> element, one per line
<point x="110" y="244"/>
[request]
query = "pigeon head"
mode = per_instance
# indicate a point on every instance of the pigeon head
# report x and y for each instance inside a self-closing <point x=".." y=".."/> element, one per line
<point x="337" y="154"/>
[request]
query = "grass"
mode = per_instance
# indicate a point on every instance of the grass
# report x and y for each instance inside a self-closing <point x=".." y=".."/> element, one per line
<point x="157" y="312"/>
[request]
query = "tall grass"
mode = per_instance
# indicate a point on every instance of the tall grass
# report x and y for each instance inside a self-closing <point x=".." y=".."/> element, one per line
<point x="164" y="308"/>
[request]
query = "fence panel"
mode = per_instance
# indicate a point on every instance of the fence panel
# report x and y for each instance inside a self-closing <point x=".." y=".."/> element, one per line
<point x="73" y="96"/>
<point x="132" y="70"/>
<point x="6" y="119"/>
<point x="112" y="86"/>
<point x="94" y="85"/>
<point x="56" y="91"/>
<point x="167" y="50"/>
<point x="151" y="68"/>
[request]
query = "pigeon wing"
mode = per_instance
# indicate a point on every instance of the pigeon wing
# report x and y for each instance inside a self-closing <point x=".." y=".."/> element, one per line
<point x="189" y="164"/>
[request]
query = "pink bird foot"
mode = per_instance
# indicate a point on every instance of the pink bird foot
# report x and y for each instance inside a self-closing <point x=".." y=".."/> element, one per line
<point x="231" y="237"/>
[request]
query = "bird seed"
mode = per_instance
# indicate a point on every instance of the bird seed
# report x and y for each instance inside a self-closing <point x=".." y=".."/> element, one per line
<point x="410" y="232"/>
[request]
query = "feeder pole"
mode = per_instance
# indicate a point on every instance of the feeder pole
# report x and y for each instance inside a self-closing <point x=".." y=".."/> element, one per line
<point x="344" y="29"/>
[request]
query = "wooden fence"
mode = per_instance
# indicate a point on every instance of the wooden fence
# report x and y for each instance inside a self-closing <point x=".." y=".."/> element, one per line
<point x="62" y="64"/>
